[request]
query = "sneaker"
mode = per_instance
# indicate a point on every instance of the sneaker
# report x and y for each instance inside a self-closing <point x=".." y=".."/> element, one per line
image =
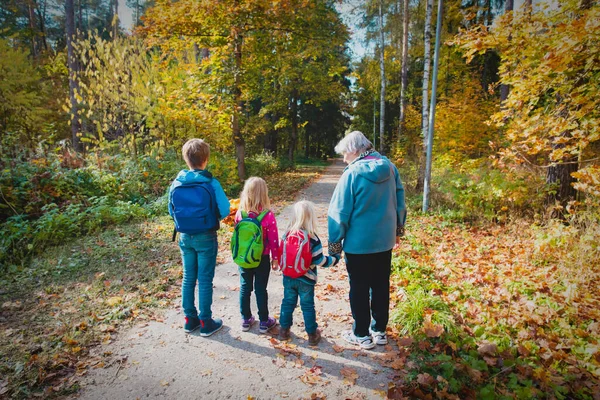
<point x="247" y="323"/>
<point x="265" y="326"/>
<point x="365" y="342"/>
<point x="379" y="338"/>
<point x="284" y="334"/>
<point x="314" y="338"/>
<point x="210" y="326"/>
<point x="191" y="324"/>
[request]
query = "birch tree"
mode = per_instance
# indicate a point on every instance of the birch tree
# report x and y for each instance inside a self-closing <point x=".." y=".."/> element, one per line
<point x="425" y="102"/>
<point x="382" y="74"/>
<point x="404" y="73"/>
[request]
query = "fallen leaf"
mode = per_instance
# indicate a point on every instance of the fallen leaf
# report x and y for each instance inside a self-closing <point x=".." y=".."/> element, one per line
<point x="487" y="349"/>
<point x="425" y="379"/>
<point x="406" y="342"/>
<point x="310" y="378"/>
<point x="113" y="301"/>
<point x="337" y="349"/>
<point x="164" y="383"/>
<point x="350" y="375"/>
<point x="432" y="330"/>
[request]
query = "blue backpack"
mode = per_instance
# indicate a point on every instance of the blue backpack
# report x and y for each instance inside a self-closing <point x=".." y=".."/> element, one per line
<point x="194" y="207"/>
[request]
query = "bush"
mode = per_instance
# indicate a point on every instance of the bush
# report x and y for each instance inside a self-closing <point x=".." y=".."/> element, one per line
<point x="419" y="306"/>
<point x="22" y="238"/>
<point x="479" y="191"/>
<point x="261" y="165"/>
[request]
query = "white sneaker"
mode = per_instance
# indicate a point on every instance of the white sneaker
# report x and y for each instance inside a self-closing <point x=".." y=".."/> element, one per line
<point x="379" y="338"/>
<point x="365" y="342"/>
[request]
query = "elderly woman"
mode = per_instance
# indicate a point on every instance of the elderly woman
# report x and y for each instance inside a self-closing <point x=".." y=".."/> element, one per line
<point x="366" y="219"/>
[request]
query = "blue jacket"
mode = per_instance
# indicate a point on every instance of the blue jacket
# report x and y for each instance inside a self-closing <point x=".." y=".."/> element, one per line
<point x="185" y="177"/>
<point x="367" y="210"/>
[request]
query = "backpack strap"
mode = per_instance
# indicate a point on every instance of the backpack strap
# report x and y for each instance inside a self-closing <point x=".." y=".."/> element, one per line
<point x="262" y="215"/>
<point x="244" y="214"/>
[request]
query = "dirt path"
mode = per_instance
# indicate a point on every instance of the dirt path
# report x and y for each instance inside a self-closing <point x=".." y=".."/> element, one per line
<point x="159" y="360"/>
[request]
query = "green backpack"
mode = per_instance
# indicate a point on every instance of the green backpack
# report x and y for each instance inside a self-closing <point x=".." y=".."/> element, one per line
<point x="247" y="241"/>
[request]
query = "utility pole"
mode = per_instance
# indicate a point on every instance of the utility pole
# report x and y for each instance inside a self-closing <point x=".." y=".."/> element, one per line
<point x="436" y="57"/>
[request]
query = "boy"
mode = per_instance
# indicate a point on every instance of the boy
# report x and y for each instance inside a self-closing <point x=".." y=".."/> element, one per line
<point x="197" y="202"/>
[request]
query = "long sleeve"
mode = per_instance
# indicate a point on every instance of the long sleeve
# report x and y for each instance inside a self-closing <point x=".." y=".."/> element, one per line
<point x="318" y="258"/>
<point x="271" y="235"/>
<point x="222" y="201"/>
<point x="400" y="204"/>
<point x="169" y="199"/>
<point x="340" y="210"/>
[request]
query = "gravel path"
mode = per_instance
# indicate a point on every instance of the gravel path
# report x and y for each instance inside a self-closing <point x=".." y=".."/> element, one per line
<point x="158" y="359"/>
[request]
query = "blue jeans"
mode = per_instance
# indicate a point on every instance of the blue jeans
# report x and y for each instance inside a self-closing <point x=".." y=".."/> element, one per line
<point x="255" y="279"/>
<point x="199" y="255"/>
<point x="292" y="289"/>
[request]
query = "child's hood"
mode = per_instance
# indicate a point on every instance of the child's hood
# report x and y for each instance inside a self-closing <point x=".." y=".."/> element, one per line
<point x="376" y="170"/>
<point x="193" y="176"/>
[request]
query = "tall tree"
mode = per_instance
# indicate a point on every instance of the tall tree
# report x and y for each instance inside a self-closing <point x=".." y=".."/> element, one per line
<point x="382" y="143"/>
<point x="425" y="103"/>
<point x="508" y="8"/>
<point x="115" y="22"/>
<point x="404" y="74"/>
<point x="246" y="38"/>
<point x="547" y="120"/>
<point x="73" y="67"/>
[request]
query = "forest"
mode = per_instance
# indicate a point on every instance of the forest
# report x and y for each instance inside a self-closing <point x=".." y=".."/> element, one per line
<point x="497" y="282"/>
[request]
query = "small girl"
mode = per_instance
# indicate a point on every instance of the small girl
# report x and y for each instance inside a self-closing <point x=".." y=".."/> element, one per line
<point x="303" y="218"/>
<point x="253" y="201"/>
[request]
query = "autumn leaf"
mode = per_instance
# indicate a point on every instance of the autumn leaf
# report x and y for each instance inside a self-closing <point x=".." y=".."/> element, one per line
<point x="425" y="379"/>
<point x="311" y="376"/>
<point x="113" y="301"/>
<point x="432" y="330"/>
<point x="350" y="375"/>
<point x="487" y="349"/>
<point x="337" y="349"/>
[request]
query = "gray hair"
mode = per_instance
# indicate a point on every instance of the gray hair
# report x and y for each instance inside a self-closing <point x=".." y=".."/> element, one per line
<point x="354" y="142"/>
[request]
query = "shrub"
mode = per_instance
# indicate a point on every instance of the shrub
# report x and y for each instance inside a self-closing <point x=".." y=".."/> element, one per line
<point x="479" y="190"/>
<point x="262" y="165"/>
<point x="418" y="306"/>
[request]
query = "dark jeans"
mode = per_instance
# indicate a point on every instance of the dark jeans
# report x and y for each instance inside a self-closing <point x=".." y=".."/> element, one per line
<point x="255" y="279"/>
<point x="292" y="289"/>
<point x="369" y="274"/>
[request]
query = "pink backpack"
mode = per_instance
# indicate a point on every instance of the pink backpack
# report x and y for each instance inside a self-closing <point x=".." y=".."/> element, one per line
<point x="295" y="256"/>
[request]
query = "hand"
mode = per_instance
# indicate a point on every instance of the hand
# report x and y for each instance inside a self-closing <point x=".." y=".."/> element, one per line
<point x="397" y="242"/>
<point x="337" y="258"/>
<point x="275" y="265"/>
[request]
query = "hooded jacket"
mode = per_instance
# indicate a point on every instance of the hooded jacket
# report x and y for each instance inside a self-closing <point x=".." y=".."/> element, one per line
<point x="186" y="177"/>
<point x="367" y="210"/>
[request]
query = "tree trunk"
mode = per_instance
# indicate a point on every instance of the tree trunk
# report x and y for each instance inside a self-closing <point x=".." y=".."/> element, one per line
<point x="404" y="76"/>
<point x="116" y="19"/>
<point x="294" y="115"/>
<point x="382" y="77"/>
<point x="504" y="90"/>
<point x="31" y="16"/>
<point x="560" y="176"/>
<point x="80" y="27"/>
<point x="425" y="103"/>
<point x="42" y="17"/>
<point x="72" y="64"/>
<point x="306" y="142"/>
<point x="238" y="140"/>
